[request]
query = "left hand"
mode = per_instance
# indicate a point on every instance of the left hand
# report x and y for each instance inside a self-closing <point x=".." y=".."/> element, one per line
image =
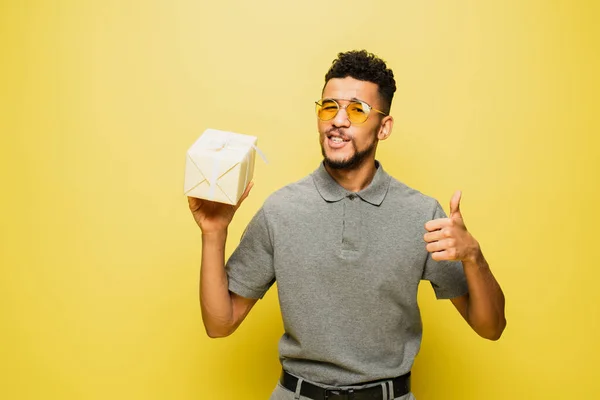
<point x="448" y="238"/>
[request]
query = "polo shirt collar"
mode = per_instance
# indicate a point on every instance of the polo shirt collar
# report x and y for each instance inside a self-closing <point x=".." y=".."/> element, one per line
<point x="331" y="191"/>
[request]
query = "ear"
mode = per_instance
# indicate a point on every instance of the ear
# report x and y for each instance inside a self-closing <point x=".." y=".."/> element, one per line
<point x="385" y="128"/>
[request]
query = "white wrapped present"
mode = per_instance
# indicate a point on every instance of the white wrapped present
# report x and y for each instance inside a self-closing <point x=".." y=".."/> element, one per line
<point x="219" y="166"/>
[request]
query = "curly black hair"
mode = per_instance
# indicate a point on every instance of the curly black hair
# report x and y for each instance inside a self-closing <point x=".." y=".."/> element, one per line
<point x="365" y="66"/>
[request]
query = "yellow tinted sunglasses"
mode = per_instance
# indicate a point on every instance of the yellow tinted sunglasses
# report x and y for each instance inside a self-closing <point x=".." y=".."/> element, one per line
<point x="357" y="110"/>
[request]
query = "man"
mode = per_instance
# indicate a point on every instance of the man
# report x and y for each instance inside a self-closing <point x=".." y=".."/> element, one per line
<point x="348" y="246"/>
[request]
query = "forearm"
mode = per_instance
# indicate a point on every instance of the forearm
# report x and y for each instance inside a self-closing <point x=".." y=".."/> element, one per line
<point x="485" y="312"/>
<point x="215" y="299"/>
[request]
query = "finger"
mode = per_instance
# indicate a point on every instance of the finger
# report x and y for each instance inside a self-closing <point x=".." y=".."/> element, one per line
<point x="436" y="224"/>
<point x="455" y="203"/>
<point x="441" y="245"/>
<point x="436" y="235"/>
<point x="245" y="194"/>
<point x="445" y="255"/>
<point x="194" y="203"/>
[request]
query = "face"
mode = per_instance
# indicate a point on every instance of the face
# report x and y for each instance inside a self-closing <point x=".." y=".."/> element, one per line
<point x="345" y="145"/>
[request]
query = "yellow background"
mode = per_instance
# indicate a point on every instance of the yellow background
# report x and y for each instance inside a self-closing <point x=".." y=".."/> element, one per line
<point x="99" y="257"/>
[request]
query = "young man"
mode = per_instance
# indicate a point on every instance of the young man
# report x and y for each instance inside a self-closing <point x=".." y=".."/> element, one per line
<point x="348" y="246"/>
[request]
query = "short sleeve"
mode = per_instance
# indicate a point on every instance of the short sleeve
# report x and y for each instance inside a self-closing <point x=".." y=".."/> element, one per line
<point x="447" y="277"/>
<point x="250" y="268"/>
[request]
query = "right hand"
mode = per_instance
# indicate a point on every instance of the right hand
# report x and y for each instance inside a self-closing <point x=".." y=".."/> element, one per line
<point x="212" y="216"/>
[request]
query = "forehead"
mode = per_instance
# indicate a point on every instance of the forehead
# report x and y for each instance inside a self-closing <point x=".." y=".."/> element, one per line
<point x="350" y="88"/>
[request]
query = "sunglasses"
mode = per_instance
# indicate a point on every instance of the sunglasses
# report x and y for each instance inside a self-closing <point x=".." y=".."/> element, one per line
<point x="357" y="110"/>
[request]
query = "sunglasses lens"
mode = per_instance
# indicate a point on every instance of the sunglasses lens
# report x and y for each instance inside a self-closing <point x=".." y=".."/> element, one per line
<point x="327" y="110"/>
<point x="357" y="112"/>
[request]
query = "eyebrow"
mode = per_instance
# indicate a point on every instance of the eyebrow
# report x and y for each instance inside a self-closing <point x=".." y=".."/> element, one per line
<point x="352" y="99"/>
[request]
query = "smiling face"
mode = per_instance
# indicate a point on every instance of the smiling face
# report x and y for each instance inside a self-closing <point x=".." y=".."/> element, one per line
<point x="345" y="145"/>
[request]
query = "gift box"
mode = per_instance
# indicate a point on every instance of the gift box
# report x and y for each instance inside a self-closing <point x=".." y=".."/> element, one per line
<point x="219" y="166"/>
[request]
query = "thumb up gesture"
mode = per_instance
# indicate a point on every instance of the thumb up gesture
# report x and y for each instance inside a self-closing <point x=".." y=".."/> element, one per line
<point x="448" y="238"/>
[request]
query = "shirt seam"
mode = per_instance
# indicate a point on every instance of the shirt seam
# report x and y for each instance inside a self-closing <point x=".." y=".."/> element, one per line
<point x="269" y="231"/>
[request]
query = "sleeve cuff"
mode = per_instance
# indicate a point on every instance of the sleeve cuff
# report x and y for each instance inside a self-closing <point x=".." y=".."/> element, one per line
<point x="443" y="294"/>
<point x="244" y="291"/>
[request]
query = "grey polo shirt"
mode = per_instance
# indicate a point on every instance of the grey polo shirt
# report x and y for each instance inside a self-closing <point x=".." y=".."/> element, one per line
<point x="347" y="266"/>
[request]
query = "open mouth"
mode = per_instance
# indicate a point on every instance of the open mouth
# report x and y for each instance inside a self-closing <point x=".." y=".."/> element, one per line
<point x="336" y="142"/>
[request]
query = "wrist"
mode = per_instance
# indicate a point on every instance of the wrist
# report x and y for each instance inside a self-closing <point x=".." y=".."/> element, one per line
<point x="219" y="234"/>
<point x="475" y="257"/>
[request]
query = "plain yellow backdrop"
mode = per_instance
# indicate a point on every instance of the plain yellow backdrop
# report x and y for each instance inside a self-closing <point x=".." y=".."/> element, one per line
<point x="99" y="257"/>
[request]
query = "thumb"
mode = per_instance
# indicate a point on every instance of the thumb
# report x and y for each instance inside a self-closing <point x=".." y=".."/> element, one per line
<point x="194" y="203"/>
<point x="455" y="205"/>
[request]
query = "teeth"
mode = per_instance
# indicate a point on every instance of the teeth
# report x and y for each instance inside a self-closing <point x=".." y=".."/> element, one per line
<point x="337" y="139"/>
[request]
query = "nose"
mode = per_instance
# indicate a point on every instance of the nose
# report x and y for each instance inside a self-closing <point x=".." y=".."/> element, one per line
<point x="341" y="119"/>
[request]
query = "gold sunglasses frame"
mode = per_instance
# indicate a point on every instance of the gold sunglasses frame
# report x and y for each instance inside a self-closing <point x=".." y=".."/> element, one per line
<point x="368" y="108"/>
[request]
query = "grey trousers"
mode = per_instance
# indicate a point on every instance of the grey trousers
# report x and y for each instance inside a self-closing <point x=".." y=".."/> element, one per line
<point x="281" y="393"/>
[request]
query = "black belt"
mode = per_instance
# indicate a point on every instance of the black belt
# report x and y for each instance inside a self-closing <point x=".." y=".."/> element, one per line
<point x="401" y="387"/>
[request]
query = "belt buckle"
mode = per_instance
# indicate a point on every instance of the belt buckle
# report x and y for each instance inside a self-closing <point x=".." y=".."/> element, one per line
<point x="339" y="394"/>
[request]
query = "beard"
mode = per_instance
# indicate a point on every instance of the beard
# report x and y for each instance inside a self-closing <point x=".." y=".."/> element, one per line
<point x="352" y="162"/>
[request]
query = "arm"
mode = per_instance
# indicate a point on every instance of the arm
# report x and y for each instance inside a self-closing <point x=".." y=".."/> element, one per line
<point x="222" y="311"/>
<point x="483" y="306"/>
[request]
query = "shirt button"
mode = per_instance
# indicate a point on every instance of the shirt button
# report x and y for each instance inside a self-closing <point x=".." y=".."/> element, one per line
<point x="352" y="196"/>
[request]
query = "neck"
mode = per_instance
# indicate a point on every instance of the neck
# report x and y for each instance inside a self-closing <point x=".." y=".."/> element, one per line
<point x="356" y="179"/>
